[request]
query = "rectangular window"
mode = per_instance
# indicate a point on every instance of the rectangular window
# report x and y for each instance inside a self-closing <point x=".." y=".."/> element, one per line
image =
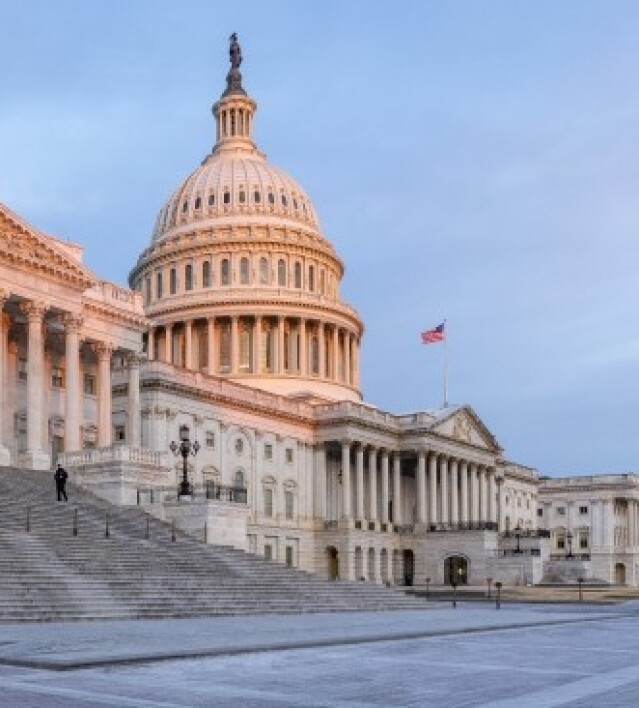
<point x="120" y="433"/>
<point x="158" y="286"/>
<point x="561" y="511"/>
<point x="268" y="451"/>
<point x="89" y="385"/>
<point x="210" y="439"/>
<point x="583" y="510"/>
<point x="22" y="369"/>
<point x="57" y="377"/>
<point x="289" y="455"/>
<point x="268" y="551"/>
<point x="268" y="502"/>
<point x="288" y="501"/>
<point x="561" y="542"/>
<point x="289" y="556"/>
<point x="540" y="512"/>
<point x="583" y="539"/>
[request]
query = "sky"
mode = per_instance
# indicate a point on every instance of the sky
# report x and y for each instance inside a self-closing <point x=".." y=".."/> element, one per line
<point x="470" y="161"/>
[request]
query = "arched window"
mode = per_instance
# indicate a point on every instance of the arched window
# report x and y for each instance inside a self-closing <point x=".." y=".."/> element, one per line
<point x="225" y="272"/>
<point x="198" y="202"/>
<point x="244" y="271"/>
<point x="281" y="272"/>
<point x="257" y="197"/>
<point x="147" y="290"/>
<point x="206" y="274"/>
<point x="188" y="277"/>
<point x="227" y="197"/>
<point x="211" y="199"/>
<point x="271" y="198"/>
<point x="264" y="271"/>
<point x="242" y="196"/>
<point x="173" y="281"/>
<point x="284" y="200"/>
<point x="298" y="275"/>
<point x="185" y="206"/>
<point x="158" y="287"/>
<point x="311" y="278"/>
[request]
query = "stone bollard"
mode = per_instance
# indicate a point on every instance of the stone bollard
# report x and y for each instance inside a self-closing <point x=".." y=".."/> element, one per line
<point x="75" y="522"/>
<point x="107" y="532"/>
<point x="173" y="530"/>
<point x="28" y="519"/>
<point x="146" y="533"/>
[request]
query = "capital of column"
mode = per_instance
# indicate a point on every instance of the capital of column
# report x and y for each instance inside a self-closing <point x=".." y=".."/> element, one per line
<point x="34" y="310"/>
<point x="135" y="359"/>
<point x="103" y="350"/>
<point x="73" y="322"/>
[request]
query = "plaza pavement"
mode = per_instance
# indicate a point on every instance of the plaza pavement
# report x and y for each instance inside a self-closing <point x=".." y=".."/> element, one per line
<point x="522" y="655"/>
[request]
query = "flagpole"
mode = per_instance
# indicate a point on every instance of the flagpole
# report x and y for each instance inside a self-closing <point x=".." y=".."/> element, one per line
<point x="445" y="365"/>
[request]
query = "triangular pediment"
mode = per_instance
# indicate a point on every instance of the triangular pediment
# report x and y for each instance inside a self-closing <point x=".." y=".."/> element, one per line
<point x="26" y="248"/>
<point x="464" y="425"/>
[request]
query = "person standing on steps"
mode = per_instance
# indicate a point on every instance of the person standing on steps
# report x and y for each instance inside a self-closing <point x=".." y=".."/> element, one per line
<point x="60" y="477"/>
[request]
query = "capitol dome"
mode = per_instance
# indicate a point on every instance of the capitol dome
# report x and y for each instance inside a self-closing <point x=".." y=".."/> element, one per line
<point x="239" y="280"/>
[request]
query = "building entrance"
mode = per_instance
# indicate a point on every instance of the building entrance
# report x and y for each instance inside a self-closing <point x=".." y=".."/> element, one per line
<point x="409" y="567"/>
<point x="333" y="563"/>
<point x="456" y="570"/>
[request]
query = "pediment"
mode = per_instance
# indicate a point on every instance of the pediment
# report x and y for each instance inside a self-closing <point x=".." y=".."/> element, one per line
<point x="464" y="425"/>
<point x="24" y="247"/>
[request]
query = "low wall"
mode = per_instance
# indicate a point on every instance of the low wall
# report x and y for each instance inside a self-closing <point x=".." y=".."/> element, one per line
<point x="215" y="522"/>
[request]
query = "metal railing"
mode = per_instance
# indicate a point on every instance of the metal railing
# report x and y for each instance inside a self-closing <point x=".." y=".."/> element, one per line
<point x="466" y="526"/>
<point x="569" y="556"/>
<point x="526" y="533"/>
<point x="208" y="492"/>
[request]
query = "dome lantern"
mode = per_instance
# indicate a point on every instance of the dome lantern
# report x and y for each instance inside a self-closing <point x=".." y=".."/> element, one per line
<point x="234" y="111"/>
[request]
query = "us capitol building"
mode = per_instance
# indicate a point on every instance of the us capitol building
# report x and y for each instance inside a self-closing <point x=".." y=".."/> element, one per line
<point x="234" y="336"/>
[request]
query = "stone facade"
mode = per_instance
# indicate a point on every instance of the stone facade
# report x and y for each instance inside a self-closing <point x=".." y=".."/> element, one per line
<point x="235" y="335"/>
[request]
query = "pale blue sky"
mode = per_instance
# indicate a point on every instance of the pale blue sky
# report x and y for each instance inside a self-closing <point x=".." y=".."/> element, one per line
<point x="477" y="161"/>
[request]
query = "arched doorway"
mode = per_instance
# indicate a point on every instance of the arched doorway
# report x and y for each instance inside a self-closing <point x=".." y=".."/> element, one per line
<point x="409" y="567"/>
<point x="359" y="563"/>
<point x="333" y="563"/>
<point x="620" y="574"/>
<point x="456" y="569"/>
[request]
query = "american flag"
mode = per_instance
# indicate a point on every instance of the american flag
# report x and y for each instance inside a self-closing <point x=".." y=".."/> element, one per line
<point x="429" y="336"/>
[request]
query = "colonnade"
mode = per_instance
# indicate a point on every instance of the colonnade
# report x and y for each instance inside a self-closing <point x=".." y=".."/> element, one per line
<point x="447" y="490"/>
<point x="37" y="418"/>
<point x="259" y="344"/>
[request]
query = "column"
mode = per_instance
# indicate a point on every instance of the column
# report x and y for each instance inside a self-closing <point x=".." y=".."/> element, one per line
<point x="188" y="344"/>
<point x="5" y="456"/>
<point x="73" y="406"/>
<point x="103" y="352"/>
<point x="133" y="413"/>
<point x="257" y="344"/>
<point x="210" y="348"/>
<point x="492" y="501"/>
<point x="320" y="487"/>
<point x="150" y="344"/>
<point x="454" y="498"/>
<point x="355" y="355"/>
<point x="397" y="489"/>
<point x="359" y="459"/>
<point x="463" y="473"/>
<point x="280" y="344"/>
<point x="474" y="494"/>
<point x="443" y="488"/>
<point x="347" y="358"/>
<point x="608" y="524"/>
<point x="322" y="350"/>
<point x="384" y="486"/>
<point x="482" y="494"/>
<point x="168" y="343"/>
<point x="303" y="362"/>
<point x="235" y="341"/>
<point x="372" y="483"/>
<point x="335" y="353"/>
<point x="421" y="487"/>
<point x="346" y="480"/>
<point x="36" y="456"/>
<point x="432" y="489"/>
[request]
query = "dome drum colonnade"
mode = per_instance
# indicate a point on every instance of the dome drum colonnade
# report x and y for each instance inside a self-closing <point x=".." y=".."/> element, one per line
<point x="239" y="280"/>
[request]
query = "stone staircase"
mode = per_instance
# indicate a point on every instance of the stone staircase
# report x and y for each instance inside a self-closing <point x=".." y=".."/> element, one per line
<point x="49" y="574"/>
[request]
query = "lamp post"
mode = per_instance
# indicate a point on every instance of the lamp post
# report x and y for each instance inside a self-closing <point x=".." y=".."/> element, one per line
<point x="498" y="601"/>
<point x="581" y="589"/>
<point x="518" y="537"/>
<point x="427" y="587"/>
<point x="184" y="448"/>
<point x="569" y="539"/>
<point x="488" y="582"/>
<point x="454" y="584"/>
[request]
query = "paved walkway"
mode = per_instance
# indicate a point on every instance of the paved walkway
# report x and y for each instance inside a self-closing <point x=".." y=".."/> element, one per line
<point x="64" y="646"/>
